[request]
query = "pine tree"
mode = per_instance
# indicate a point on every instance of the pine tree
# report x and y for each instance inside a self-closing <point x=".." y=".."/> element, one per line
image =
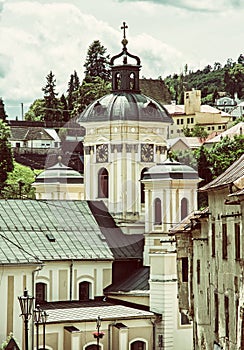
<point x="65" y="112"/>
<point x="73" y="87"/>
<point x="97" y="63"/>
<point x="3" y="115"/>
<point x="52" y="107"/>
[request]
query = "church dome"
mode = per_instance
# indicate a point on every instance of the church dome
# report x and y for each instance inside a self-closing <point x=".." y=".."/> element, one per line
<point x="60" y="173"/>
<point x="125" y="102"/>
<point x="125" y="106"/>
<point x="169" y="170"/>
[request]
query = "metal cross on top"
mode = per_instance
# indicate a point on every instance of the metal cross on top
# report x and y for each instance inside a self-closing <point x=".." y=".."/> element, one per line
<point x="124" y="28"/>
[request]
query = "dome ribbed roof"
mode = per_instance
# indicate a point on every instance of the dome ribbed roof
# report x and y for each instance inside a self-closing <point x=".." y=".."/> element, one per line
<point x="170" y="169"/>
<point x="125" y="106"/>
<point x="59" y="173"/>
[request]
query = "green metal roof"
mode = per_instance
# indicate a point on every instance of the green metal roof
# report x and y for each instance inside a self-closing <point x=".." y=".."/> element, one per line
<point x="32" y="231"/>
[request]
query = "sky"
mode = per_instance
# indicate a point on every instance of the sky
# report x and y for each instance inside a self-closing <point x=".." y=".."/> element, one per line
<point x="40" y="36"/>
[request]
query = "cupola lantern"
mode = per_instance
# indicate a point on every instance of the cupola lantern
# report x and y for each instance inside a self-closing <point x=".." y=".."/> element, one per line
<point x="125" y="77"/>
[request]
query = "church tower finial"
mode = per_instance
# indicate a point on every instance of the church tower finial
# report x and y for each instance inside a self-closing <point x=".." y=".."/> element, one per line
<point x="124" y="41"/>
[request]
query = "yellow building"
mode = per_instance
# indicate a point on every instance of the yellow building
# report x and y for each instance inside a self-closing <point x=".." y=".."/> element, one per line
<point x="193" y="113"/>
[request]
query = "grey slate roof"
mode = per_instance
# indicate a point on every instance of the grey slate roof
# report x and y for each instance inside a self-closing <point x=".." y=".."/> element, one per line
<point x="77" y="312"/>
<point x="138" y="281"/>
<point x="233" y="173"/>
<point x="123" y="246"/>
<point x="33" y="231"/>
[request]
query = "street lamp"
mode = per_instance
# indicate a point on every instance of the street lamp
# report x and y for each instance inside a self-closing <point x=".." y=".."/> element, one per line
<point x="98" y="335"/>
<point x="44" y="317"/>
<point x="26" y="303"/>
<point x="37" y="319"/>
<point x="40" y="317"/>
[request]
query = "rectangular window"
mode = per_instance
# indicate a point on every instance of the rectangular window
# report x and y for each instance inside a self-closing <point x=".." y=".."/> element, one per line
<point x="216" y="311"/>
<point x="188" y="120"/>
<point x="213" y="239"/>
<point x="178" y="121"/>
<point x="182" y="121"/>
<point x="224" y="241"/>
<point x="184" y="266"/>
<point x="192" y="120"/>
<point x="184" y="320"/>
<point x="198" y="272"/>
<point x="237" y="241"/>
<point x="226" y="316"/>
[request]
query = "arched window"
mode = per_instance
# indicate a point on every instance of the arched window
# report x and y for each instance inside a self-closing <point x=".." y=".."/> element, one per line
<point x="92" y="347"/>
<point x="184" y="208"/>
<point x="41" y="292"/>
<point x="84" y="291"/>
<point x="117" y="81"/>
<point x="143" y="186"/>
<point x="138" y="345"/>
<point x="103" y="183"/>
<point x="157" y="212"/>
<point x="132" y="81"/>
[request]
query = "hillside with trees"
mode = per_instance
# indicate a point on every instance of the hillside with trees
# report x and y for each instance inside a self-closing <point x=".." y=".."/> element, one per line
<point x="211" y="81"/>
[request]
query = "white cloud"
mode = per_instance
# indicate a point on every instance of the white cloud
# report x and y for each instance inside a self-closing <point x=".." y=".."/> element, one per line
<point x="39" y="36"/>
<point x="42" y="37"/>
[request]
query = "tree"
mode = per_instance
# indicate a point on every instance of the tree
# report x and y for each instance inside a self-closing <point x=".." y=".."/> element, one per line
<point x="51" y="103"/>
<point x="89" y="92"/>
<point x="224" y="153"/>
<point x="97" y="63"/>
<point x="3" y="115"/>
<point x="73" y="87"/>
<point x="36" y="111"/>
<point x="197" y="131"/>
<point x="234" y="80"/>
<point x="6" y="156"/>
<point x="19" y="182"/>
<point x="240" y="59"/>
<point x="64" y="107"/>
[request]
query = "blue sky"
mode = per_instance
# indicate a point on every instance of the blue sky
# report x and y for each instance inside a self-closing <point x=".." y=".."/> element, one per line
<point x="39" y="36"/>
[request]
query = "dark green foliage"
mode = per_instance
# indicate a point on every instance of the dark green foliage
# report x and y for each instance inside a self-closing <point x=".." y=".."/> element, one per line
<point x="64" y="109"/>
<point x="6" y="156"/>
<point x="197" y="131"/>
<point x="89" y="92"/>
<point x="210" y="81"/>
<point x="97" y="63"/>
<point x="3" y="115"/>
<point x="73" y="87"/>
<point x="36" y="111"/>
<point x="224" y="153"/>
<point x="52" y="107"/>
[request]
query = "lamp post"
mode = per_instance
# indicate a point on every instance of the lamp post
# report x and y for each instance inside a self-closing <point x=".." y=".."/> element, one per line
<point x="37" y="319"/>
<point x="44" y="317"/>
<point x="98" y="335"/>
<point x="26" y="303"/>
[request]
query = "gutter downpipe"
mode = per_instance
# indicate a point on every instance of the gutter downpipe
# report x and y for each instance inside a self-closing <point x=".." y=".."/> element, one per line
<point x="39" y="268"/>
<point x="71" y="280"/>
